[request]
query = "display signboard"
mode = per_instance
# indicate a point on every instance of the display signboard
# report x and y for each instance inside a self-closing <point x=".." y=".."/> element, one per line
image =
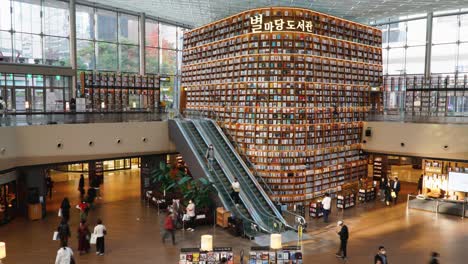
<point x="458" y="181"/>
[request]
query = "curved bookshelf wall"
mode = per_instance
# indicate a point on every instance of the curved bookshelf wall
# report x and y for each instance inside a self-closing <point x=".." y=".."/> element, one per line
<point x="291" y="87"/>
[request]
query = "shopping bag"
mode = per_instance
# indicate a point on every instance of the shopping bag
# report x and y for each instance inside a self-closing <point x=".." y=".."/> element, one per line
<point x="393" y="194"/>
<point x="186" y="218"/>
<point x="60" y="212"/>
<point x="93" y="239"/>
<point x="55" y="236"/>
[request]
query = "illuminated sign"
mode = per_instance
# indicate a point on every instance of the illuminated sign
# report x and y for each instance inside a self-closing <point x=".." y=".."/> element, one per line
<point x="258" y="25"/>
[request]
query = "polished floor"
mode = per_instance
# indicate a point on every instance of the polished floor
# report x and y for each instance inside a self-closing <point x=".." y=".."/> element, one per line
<point x="134" y="232"/>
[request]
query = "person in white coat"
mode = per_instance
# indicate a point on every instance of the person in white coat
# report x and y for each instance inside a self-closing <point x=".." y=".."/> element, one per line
<point x="64" y="254"/>
<point x="191" y="213"/>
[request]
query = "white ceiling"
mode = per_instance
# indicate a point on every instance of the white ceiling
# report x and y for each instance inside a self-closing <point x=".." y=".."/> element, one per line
<point x="200" y="12"/>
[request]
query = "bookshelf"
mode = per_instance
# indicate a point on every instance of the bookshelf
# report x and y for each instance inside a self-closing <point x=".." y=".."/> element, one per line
<point x="108" y="91"/>
<point x="315" y="209"/>
<point x="288" y="254"/>
<point x="346" y="199"/>
<point x="366" y="194"/>
<point x="293" y="98"/>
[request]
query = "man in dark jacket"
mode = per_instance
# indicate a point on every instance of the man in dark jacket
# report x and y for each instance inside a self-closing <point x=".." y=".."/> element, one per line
<point x="344" y="235"/>
<point x="420" y="184"/>
<point x="396" y="188"/>
<point x="381" y="257"/>
<point x="382" y="186"/>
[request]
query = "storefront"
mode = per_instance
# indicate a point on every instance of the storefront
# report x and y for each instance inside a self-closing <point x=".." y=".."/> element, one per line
<point x="8" y="197"/>
<point x="108" y="165"/>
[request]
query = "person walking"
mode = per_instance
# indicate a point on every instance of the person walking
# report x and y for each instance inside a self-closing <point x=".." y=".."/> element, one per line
<point x="83" y="237"/>
<point x="326" y="206"/>
<point x="388" y="193"/>
<point x="84" y="209"/>
<point x="396" y="189"/>
<point x="382" y="187"/>
<point x="81" y="185"/>
<point x="169" y="228"/>
<point x="64" y="254"/>
<point x="343" y="233"/>
<point x="236" y="191"/>
<point x="210" y="156"/>
<point x="49" y="184"/>
<point x="63" y="231"/>
<point x="100" y="232"/>
<point x="420" y="184"/>
<point x="190" y="211"/>
<point x="434" y="258"/>
<point x="381" y="257"/>
<point x="65" y="208"/>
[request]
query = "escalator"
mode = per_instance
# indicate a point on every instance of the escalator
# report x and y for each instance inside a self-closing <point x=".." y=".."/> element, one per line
<point x="193" y="147"/>
<point x="249" y="185"/>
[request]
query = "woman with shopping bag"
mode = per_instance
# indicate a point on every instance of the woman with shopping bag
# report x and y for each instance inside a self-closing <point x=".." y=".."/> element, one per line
<point x="99" y="232"/>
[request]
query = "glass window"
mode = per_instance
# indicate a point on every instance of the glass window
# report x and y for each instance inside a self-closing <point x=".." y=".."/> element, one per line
<point x="84" y="22"/>
<point x="5" y="46"/>
<point x="152" y="33"/>
<point x="179" y="62"/>
<point x="27" y="16"/>
<point x="56" y="51"/>
<point x="129" y="58"/>
<point x="85" y="54"/>
<point x="5" y="15"/>
<point x="180" y="38"/>
<point x="384" y="29"/>
<point x="415" y="57"/>
<point x="106" y="56"/>
<point x="168" y="36"/>
<point x="416" y="32"/>
<point x="445" y="29"/>
<point x="56" y="18"/>
<point x="128" y="29"/>
<point x="152" y="60"/>
<point x="396" y="61"/>
<point x="106" y="22"/>
<point x="28" y="48"/>
<point x="385" y="61"/>
<point x="444" y="58"/>
<point x="463" y="58"/>
<point x="464" y="27"/>
<point x="397" y="34"/>
<point x="168" y="61"/>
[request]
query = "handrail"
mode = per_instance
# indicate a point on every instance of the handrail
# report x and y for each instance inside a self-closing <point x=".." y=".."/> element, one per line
<point x="297" y="218"/>
<point x="192" y="147"/>
<point x="255" y="172"/>
<point x="260" y="210"/>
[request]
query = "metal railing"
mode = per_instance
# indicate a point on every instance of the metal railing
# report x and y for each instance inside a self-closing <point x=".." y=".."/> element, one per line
<point x="292" y="219"/>
<point x="246" y="222"/>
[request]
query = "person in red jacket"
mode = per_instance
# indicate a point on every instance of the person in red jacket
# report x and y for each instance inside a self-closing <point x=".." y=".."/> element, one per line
<point x="169" y="228"/>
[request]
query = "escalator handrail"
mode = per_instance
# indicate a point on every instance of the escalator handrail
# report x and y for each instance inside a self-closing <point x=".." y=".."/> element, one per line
<point x="257" y="212"/>
<point x="193" y="148"/>
<point x="241" y="161"/>
<point x="260" y="209"/>
<point x="298" y="218"/>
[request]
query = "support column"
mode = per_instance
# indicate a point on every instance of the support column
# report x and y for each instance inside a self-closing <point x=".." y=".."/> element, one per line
<point x="73" y="63"/>
<point x="142" y="34"/>
<point x="427" y="63"/>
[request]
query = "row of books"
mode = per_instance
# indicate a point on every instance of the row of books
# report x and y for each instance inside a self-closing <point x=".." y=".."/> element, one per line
<point x="195" y="256"/>
<point x="287" y="255"/>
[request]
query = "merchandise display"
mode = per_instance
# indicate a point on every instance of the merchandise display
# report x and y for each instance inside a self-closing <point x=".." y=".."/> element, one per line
<point x="436" y="178"/>
<point x="379" y="168"/>
<point x="291" y="88"/>
<point x="346" y="199"/>
<point x="119" y="92"/>
<point x="366" y="194"/>
<point x="195" y="256"/>
<point x="316" y="209"/>
<point x="265" y="255"/>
